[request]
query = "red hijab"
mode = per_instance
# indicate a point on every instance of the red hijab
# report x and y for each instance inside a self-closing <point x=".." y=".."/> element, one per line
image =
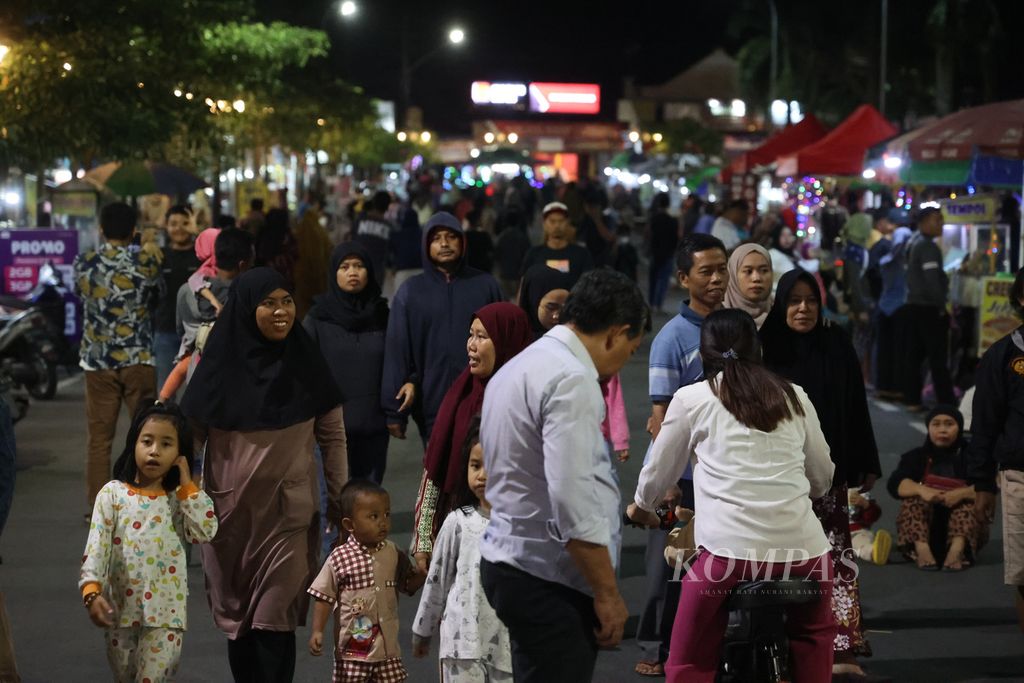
<point x="509" y="329"/>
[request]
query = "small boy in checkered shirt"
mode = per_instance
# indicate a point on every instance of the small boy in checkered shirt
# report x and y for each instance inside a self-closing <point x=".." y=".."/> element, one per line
<point x="360" y="582"/>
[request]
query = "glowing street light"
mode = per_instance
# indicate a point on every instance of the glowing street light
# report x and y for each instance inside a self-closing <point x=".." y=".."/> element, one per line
<point x="67" y="66"/>
<point x="634" y="136"/>
<point x="456" y="36"/>
<point x="657" y="137"/>
<point x="513" y="138"/>
<point x="402" y="136"/>
<point x="348" y="8"/>
<point x="238" y="105"/>
<point x="489" y="137"/>
<point x="3" y="51"/>
<point x="425" y="136"/>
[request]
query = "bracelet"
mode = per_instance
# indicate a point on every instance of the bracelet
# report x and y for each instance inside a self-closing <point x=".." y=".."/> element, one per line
<point x="90" y="598"/>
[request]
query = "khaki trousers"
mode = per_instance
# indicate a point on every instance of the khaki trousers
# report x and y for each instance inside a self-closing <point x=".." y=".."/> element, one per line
<point x="105" y="391"/>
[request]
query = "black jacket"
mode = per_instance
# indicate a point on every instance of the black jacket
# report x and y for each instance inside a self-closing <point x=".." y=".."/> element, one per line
<point x="356" y="360"/>
<point x="947" y="462"/>
<point x="997" y="422"/>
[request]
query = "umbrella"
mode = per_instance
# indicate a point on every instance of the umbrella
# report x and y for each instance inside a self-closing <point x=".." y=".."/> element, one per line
<point x="137" y="178"/>
<point x="993" y="129"/>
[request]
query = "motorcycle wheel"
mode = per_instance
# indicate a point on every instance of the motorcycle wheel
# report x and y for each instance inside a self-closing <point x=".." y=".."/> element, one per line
<point x="45" y="388"/>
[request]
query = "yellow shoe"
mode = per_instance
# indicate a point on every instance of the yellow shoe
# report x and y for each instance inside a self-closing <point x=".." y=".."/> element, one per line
<point x="881" y="546"/>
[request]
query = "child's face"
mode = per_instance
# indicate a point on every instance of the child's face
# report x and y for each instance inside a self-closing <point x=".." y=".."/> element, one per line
<point x="178" y="229"/>
<point x="370" y="522"/>
<point x="477" y="477"/>
<point x="943" y="431"/>
<point x="156" y="449"/>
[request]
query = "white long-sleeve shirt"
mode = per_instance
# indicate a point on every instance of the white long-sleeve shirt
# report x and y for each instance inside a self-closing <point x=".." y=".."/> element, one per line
<point x="752" y="489"/>
<point x="550" y="478"/>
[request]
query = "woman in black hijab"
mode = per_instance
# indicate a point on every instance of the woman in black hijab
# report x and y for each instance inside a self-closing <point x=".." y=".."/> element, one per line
<point x="542" y="294"/>
<point x="819" y="357"/>
<point x="260" y="399"/>
<point x="348" y="323"/>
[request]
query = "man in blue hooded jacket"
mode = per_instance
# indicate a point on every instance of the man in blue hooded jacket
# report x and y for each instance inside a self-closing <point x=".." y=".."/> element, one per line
<point x="425" y="349"/>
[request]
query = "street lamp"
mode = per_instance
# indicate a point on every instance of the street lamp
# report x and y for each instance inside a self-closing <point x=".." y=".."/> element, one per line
<point x="348" y="8"/>
<point x="456" y="36"/>
<point x="3" y="51"/>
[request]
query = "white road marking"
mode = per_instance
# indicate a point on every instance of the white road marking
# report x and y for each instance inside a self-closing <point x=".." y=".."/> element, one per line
<point x="918" y="426"/>
<point x="887" y="407"/>
<point x="65" y="383"/>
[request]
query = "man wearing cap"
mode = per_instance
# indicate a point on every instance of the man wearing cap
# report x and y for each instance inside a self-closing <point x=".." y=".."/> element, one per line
<point x="425" y="347"/>
<point x="559" y="250"/>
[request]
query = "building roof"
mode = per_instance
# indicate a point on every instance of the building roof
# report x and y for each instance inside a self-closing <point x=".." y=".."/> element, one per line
<point x="715" y="76"/>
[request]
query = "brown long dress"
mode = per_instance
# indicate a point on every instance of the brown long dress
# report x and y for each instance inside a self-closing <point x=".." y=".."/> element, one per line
<point x="266" y="495"/>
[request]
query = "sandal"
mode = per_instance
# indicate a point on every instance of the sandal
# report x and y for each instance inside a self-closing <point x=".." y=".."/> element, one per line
<point x="650" y="669"/>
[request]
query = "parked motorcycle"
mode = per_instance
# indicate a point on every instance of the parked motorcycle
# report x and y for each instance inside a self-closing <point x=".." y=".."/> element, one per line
<point x="28" y="348"/>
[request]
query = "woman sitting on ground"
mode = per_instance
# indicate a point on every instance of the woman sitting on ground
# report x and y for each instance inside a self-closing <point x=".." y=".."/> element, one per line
<point x="936" y="501"/>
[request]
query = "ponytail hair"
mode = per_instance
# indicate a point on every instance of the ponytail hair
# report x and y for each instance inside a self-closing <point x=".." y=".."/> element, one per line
<point x="731" y="353"/>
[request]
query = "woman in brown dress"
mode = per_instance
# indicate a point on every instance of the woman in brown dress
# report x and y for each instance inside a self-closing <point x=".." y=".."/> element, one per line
<point x="260" y="398"/>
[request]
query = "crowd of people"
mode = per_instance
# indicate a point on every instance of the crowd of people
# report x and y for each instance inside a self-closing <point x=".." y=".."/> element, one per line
<point x="294" y="371"/>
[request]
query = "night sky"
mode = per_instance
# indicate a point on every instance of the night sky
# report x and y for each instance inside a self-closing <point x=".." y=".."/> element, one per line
<point x="521" y="41"/>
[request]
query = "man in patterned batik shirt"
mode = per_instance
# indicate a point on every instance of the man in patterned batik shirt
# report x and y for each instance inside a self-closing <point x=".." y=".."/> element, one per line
<point x="115" y="282"/>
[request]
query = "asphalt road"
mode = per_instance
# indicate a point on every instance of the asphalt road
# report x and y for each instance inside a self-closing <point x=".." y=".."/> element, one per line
<point x="935" y="627"/>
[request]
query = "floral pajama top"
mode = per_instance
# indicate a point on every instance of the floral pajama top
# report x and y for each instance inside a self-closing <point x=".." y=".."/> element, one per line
<point x="135" y="553"/>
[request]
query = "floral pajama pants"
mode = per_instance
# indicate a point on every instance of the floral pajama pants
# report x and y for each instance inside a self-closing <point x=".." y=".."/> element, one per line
<point x="833" y="513"/>
<point x="141" y="654"/>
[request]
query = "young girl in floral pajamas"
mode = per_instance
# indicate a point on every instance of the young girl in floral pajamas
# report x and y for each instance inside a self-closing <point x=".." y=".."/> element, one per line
<point x="134" y="577"/>
<point x="474" y="645"/>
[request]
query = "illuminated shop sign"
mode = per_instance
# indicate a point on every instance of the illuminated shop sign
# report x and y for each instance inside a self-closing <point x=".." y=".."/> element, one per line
<point x="544" y="98"/>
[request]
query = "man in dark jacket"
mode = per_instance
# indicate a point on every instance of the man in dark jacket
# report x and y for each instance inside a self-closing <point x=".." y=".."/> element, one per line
<point x="996" y="450"/>
<point x="429" y="324"/>
<point x="928" y="322"/>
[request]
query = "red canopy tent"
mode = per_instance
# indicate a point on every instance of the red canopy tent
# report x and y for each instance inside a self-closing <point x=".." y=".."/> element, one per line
<point x="841" y="152"/>
<point x="786" y="141"/>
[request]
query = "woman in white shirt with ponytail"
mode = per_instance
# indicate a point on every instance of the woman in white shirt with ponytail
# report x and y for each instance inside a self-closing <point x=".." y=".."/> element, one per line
<point x="759" y="457"/>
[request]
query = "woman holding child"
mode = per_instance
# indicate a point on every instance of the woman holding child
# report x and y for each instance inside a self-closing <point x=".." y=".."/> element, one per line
<point x="260" y="399"/>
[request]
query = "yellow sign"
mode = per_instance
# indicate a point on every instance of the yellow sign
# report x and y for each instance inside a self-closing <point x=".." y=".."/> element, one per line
<point x="996" y="317"/>
<point x="248" y="190"/>
<point x="970" y="210"/>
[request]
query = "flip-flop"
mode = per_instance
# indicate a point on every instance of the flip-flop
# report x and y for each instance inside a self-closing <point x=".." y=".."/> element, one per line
<point x="650" y="669"/>
<point x="881" y="547"/>
<point x="928" y="566"/>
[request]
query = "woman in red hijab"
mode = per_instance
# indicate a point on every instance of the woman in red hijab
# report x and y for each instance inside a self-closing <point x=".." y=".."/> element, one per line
<point x="498" y="332"/>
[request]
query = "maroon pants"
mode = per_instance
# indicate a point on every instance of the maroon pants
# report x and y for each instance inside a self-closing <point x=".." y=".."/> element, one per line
<point x="703" y="616"/>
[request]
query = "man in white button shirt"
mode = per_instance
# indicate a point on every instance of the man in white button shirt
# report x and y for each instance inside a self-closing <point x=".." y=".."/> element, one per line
<point x="552" y="544"/>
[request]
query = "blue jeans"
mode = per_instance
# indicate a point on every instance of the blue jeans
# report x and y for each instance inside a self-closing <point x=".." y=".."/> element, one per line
<point x="165" y="348"/>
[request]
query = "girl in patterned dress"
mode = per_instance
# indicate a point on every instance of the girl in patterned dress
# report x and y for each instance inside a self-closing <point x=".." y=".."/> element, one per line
<point x="134" y="577"/>
<point x="474" y="645"/>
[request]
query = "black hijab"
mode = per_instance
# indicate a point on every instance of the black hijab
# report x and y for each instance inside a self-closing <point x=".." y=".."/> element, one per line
<point x="362" y="312"/>
<point x="537" y="282"/>
<point x="824" y="364"/>
<point x="245" y="382"/>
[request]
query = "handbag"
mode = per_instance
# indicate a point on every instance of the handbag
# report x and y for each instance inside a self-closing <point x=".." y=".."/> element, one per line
<point x="940" y="483"/>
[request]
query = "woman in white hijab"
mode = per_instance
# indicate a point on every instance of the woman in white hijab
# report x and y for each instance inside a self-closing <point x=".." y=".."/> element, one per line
<point x="750" y="281"/>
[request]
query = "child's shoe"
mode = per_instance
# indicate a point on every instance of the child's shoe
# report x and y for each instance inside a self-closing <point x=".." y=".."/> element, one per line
<point x="881" y="546"/>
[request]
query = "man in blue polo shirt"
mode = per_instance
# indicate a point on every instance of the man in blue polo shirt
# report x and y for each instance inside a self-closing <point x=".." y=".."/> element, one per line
<point x="675" y="362"/>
